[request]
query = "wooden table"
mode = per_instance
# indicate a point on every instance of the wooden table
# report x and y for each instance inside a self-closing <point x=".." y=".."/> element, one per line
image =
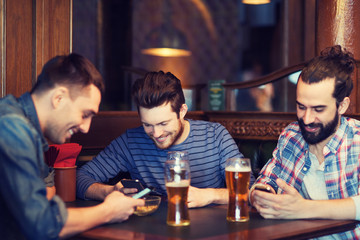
<point x="210" y="223"/>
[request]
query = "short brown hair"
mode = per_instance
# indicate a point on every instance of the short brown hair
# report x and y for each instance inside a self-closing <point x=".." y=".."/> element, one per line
<point x="71" y="70"/>
<point x="157" y="88"/>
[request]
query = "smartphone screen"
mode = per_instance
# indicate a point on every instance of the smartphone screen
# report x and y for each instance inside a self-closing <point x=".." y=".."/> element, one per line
<point x="141" y="194"/>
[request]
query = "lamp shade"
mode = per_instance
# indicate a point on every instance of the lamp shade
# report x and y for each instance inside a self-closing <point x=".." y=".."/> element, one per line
<point x="166" y="41"/>
<point x="255" y="2"/>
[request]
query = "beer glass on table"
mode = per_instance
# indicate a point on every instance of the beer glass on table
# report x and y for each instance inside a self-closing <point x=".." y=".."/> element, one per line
<point x="237" y="172"/>
<point x="177" y="181"/>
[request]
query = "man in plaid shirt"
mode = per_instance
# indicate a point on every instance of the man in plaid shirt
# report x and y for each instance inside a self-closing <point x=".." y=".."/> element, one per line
<point x="315" y="168"/>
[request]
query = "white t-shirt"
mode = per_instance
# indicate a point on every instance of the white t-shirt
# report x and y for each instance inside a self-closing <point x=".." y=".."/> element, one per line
<point x="314" y="184"/>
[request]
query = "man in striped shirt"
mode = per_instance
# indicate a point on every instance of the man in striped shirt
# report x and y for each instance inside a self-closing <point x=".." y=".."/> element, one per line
<point x="315" y="167"/>
<point x="142" y="151"/>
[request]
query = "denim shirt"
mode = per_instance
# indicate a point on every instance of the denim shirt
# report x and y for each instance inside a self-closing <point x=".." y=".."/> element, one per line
<point x="25" y="212"/>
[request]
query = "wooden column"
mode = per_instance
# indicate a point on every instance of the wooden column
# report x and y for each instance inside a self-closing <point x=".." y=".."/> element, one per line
<point x="53" y="31"/>
<point x="17" y="51"/>
<point x="32" y="32"/>
<point x="338" y="23"/>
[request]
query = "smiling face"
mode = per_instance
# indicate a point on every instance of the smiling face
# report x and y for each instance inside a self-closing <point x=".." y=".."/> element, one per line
<point x="73" y="115"/>
<point x="163" y="126"/>
<point x="317" y="113"/>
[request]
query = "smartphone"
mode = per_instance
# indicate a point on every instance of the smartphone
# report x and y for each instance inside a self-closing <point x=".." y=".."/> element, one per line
<point x="143" y="193"/>
<point x="264" y="188"/>
<point x="130" y="183"/>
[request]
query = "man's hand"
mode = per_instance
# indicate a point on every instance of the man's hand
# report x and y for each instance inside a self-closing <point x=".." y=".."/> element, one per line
<point x="289" y="205"/>
<point x="199" y="197"/>
<point x="50" y="192"/>
<point x="119" y="187"/>
<point x="116" y="207"/>
<point x="121" y="205"/>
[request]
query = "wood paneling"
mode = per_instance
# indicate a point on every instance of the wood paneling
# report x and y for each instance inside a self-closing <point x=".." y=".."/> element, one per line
<point x="18" y="46"/>
<point x="53" y="30"/>
<point x="32" y="32"/>
<point x="252" y="125"/>
<point x="338" y="23"/>
<point x="2" y="48"/>
<point x="309" y="29"/>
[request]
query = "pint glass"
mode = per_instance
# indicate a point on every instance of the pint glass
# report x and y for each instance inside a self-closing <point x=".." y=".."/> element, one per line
<point x="177" y="181"/>
<point x="237" y="172"/>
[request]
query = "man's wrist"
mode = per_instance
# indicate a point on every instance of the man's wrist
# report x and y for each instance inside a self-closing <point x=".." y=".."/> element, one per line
<point x="219" y="195"/>
<point x="98" y="191"/>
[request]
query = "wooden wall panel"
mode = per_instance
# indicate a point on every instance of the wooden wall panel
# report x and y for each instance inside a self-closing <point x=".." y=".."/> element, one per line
<point x="309" y="29"/>
<point x="32" y="32"/>
<point x="53" y="30"/>
<point x="18" y="46"/>
<point x="2" y="47"/>
<point x="338" y="22"/>
<point x="295" y="24"/>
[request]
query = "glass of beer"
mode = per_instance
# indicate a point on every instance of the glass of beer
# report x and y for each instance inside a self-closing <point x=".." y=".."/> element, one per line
<point x="237" y="172"/>
<point x="177" y="181"/>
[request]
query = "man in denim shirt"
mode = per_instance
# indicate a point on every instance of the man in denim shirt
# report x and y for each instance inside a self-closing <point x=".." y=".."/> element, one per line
<point x="63" y="101"/>
<point x="315" y="167"/>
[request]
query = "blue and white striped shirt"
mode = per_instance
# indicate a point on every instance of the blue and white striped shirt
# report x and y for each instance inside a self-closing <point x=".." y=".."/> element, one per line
<point x="208" y="144"/>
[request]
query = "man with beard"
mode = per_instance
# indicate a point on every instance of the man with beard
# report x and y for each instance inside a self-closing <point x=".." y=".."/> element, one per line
<point x="315" y="167"/>
<point x="63" y="101"/>
<point x="142" y="151"/>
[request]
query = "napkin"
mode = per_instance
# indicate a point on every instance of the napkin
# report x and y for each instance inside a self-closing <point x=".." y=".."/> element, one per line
<point x="62" y="155"/>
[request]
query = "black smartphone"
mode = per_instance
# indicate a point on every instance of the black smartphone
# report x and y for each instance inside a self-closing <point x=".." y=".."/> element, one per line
<point x="130" y="183"/>
<point x="264" y="188"/>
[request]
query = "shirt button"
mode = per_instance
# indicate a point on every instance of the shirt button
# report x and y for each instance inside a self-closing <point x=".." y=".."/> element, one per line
<point x="305" y="169"/>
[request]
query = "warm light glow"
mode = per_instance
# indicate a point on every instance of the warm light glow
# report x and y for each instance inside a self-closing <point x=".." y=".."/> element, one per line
<point x="256" y="2"/>
<point x="166" y="52"/>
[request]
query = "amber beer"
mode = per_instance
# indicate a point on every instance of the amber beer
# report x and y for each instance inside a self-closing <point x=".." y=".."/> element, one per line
<point x="178" y="214"/>
<point x="177" y="182"/>
<point x="237" y="181"/>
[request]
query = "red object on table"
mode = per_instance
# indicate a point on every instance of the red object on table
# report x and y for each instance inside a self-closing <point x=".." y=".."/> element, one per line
<point x="62" y="155"/>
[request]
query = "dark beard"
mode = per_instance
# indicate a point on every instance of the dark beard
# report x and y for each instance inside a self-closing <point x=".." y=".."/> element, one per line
<point x="324" y="132"/>
<point x="181" y="130"/>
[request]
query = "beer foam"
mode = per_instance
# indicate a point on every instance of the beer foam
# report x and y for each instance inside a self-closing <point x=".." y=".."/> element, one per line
<point x="181" y="183"/>
<point x="237" y="169"/>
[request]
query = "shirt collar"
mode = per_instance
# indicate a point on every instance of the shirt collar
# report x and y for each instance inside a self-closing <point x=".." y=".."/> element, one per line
<point x="30" y="112"/>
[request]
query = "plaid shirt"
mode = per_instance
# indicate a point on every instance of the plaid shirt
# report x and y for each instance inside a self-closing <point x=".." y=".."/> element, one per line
<point x="291" y="162"/>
